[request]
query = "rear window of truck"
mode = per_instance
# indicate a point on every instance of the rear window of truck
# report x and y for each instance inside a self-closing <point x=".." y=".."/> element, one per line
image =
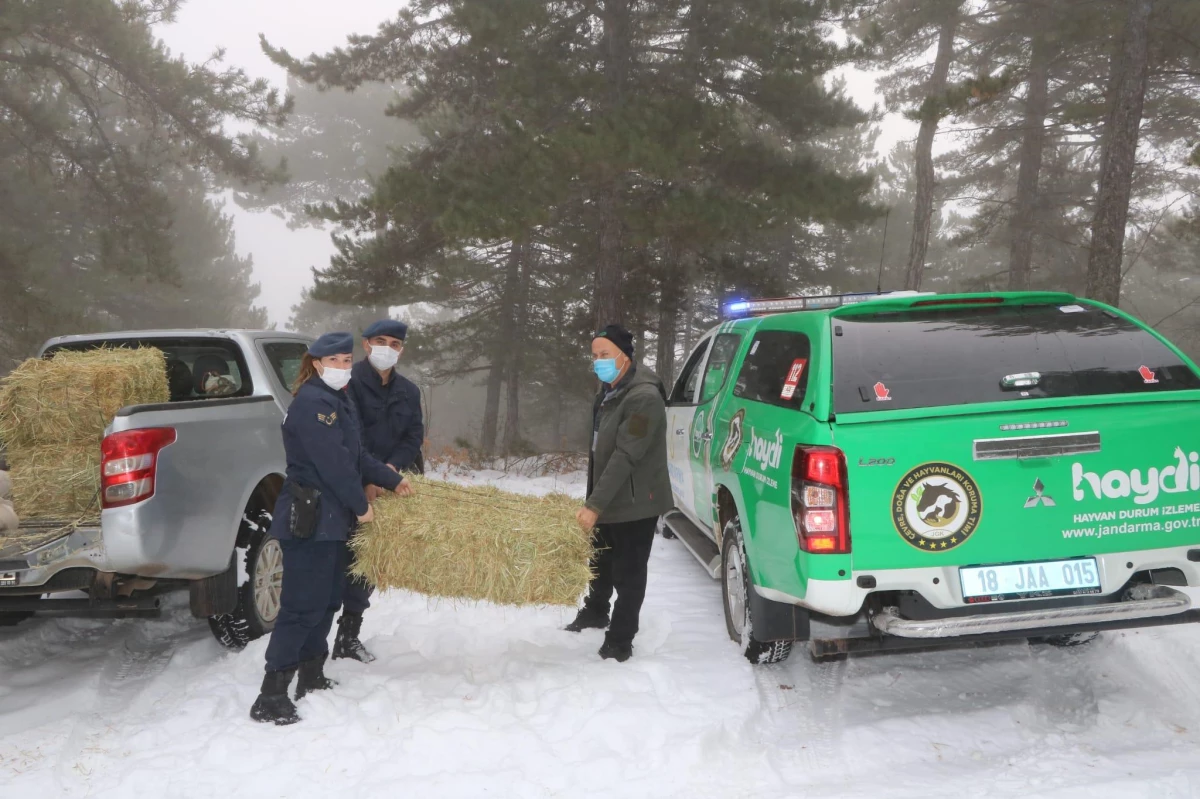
<point x="197" y="368"/>
<point x="923" y="359"/>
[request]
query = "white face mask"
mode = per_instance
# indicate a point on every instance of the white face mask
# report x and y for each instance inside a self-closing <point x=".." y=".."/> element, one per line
<point x="383" y="358"/>
<point x="337" y="379"/>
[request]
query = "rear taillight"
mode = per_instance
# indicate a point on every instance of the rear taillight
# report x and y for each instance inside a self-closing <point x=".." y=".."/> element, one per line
<point x="128" y="462"/>
<point x="819" y="500"/>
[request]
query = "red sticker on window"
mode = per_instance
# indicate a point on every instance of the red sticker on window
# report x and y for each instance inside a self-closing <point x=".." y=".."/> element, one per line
<point x="793" y="378"/>
<point x="1147" y="374"/>
<point x="882" y="393"/>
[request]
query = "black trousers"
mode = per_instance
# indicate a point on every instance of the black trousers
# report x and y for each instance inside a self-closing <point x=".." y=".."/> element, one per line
<point x="314" y="574"/>
<point x="619" y="559"/>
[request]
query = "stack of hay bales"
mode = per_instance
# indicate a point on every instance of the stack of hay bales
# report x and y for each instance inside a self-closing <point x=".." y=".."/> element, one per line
<point x="53" y="414"/>
<point x="476" y="543"/>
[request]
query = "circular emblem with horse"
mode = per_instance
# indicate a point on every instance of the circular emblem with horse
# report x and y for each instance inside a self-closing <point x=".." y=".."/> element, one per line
<point x="936" y="506"/>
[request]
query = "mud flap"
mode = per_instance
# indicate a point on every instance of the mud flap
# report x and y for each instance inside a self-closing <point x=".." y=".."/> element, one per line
<point x="215" y="595"/>
<point x="777" y="621"/>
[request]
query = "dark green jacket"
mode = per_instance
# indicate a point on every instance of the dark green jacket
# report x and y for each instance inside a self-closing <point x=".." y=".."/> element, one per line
<point x="627" y="472"/>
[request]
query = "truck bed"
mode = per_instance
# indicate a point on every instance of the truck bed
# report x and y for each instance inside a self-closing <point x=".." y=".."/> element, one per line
<point x="31" y="535"/>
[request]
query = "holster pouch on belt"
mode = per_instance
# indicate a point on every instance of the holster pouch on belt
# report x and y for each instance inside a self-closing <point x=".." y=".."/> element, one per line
<point x="305" y="510"/>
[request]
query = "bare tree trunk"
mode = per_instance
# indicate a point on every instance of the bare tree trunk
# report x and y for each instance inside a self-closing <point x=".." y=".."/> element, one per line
<point x="607" y="304"/>
<point x="517" y="280"/>
<point x="1126" y="97"/>
<point x="491" y="408"/>
<point x="923" y="202"/>
<point x="1033" y="145"/>
<point x="668" y="322"/>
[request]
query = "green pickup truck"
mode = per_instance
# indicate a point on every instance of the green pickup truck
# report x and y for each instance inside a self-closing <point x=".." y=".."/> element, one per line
<point x="881" y="471"/>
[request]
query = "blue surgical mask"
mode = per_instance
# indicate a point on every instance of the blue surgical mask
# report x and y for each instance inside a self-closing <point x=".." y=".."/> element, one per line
<point x="606" y="369"/>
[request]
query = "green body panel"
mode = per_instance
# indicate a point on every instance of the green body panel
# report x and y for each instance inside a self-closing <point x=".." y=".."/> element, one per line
<point x="1134" y="494"/>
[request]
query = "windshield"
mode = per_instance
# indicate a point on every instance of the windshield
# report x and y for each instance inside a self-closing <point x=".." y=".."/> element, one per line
<point x="963" y="356"/>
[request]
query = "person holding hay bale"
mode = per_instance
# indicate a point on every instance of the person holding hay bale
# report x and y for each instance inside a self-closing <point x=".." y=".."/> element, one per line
<point x="628" y="489"/>
<point x="321" y="502"/>
<point x="389" y="410"/>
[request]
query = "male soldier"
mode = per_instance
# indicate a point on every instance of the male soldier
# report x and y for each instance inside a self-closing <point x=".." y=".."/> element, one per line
<point x="628" y="488"/>
<point x="389" y="412"/>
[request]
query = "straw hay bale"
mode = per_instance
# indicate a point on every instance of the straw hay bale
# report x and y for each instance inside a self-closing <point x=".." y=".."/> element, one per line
<point x="53" y="414"/>
<point x="57" y="482"/>
<point x="71" y="397"/>
<point x="476" y="543"/>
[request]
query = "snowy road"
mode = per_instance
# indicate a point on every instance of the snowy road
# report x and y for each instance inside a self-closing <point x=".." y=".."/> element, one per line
<point x="480" y="701"/>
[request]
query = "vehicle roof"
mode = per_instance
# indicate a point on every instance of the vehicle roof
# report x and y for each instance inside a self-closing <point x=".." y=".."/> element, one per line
<point x="174" y="333"/>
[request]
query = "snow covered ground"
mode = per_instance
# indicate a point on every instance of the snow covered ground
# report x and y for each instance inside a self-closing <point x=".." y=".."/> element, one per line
<point x="476" y="701"/>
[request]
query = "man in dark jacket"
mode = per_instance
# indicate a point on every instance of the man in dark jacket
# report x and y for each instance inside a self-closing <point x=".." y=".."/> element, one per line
<point x="628" y="489"/>
<point x="389" y="412"/>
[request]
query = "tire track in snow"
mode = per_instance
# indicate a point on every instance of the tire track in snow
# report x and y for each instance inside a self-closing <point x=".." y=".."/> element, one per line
<point x="800" y="718"/>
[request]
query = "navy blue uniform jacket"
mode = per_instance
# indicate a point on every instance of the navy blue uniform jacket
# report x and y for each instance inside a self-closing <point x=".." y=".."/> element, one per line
<point x="393" y="429"/>
<point x="323" y="445"/>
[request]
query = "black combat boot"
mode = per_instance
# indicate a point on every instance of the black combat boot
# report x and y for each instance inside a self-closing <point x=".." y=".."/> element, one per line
<point x="273" y="704"/>
<point x="347" y="645"/>
<point x="619" y="652"/>
<point x="312" y="677"/>
<point x="587" y="619"/>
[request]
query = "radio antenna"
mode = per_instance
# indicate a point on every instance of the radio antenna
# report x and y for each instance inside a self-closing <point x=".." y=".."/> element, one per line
<point x="882" y="253"/>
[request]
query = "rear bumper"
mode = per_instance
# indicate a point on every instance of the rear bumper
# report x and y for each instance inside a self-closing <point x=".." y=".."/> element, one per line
<point x="940" y="586"/>
<point x="1145" y="602"/>
<point x="80" y="547"/>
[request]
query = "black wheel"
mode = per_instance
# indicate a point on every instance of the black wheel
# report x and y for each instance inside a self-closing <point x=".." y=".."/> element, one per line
<point x="1069" y="640"/>
<point x="258" y="597"/>
<point x="663" y="529"/>
<point x="735" y="591"/>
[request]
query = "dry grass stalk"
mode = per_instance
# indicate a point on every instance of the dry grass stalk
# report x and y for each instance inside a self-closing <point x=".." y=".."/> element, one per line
<point x="71" y="397"/>
<point x="477" y="543"/>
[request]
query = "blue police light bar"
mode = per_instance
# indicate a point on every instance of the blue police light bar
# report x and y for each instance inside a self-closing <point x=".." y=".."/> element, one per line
<point x="822" y="302"/>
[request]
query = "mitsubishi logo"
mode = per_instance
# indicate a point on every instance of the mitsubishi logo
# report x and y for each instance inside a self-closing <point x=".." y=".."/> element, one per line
<point x="1039" y="496"/>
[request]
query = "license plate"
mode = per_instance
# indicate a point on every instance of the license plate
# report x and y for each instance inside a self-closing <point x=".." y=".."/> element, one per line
<point x="8" y="579"/>
<point x="1029" y="580"/>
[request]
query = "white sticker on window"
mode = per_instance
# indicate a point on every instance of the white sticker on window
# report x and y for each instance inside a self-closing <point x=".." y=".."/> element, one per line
<point x="754" y="348"/>
<point x="1071" y="308"/>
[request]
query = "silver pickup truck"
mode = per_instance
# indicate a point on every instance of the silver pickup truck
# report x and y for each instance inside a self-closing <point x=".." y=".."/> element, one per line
<point x="187" y="491"/>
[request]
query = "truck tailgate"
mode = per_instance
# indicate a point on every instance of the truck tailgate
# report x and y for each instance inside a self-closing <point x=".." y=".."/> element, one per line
<point x="985" y="486"/>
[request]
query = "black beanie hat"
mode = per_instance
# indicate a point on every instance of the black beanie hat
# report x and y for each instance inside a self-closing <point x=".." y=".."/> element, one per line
<point x="619" y="336"/>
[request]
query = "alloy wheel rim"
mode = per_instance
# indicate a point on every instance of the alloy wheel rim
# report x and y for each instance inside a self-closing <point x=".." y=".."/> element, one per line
<point x="735" y="588"/>
<point x="268" y="581"/>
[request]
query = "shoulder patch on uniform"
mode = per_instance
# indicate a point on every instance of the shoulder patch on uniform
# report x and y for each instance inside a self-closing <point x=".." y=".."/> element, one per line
<point x="327" y="418"/>
<point x="639" y="425"/>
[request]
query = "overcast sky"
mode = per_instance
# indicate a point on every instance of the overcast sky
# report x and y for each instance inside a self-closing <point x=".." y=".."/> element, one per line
<point x="283" y="259"/>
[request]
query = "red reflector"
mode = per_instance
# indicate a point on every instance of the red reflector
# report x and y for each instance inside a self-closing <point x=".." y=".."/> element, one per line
<point x="963" y="301"/>
<point x="822" y="543"/>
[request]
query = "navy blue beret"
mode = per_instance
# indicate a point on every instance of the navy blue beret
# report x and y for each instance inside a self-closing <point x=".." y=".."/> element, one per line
<point x="387" y="327"/>
<point x="332" y="344"/>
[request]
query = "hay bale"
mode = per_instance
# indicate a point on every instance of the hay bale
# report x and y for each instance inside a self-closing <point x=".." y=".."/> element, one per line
<point x="53" y="414"/>
<point x="59" y="483"/>
<point x="477" y="543"/>
<point x="71" y="397"/>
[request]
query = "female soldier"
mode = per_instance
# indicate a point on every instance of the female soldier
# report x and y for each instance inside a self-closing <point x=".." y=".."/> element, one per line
<point x="321" y="501"/>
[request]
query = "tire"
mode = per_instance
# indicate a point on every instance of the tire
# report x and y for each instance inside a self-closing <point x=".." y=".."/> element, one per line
<point x="258" y="597"/>
<point x="1066" y="641"/>
<point x="735" y="596"/>
<point x="663" y="529"/>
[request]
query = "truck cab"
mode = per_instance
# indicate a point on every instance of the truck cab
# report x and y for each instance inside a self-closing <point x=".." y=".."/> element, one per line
<point x="883" y="471"/>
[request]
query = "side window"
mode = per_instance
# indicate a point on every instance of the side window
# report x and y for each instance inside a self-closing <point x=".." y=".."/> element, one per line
<point x="717" y="370"/>
<point x="776" y="369"/>
<point x="285" y="359"/>
<point x="688" y="385"/>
